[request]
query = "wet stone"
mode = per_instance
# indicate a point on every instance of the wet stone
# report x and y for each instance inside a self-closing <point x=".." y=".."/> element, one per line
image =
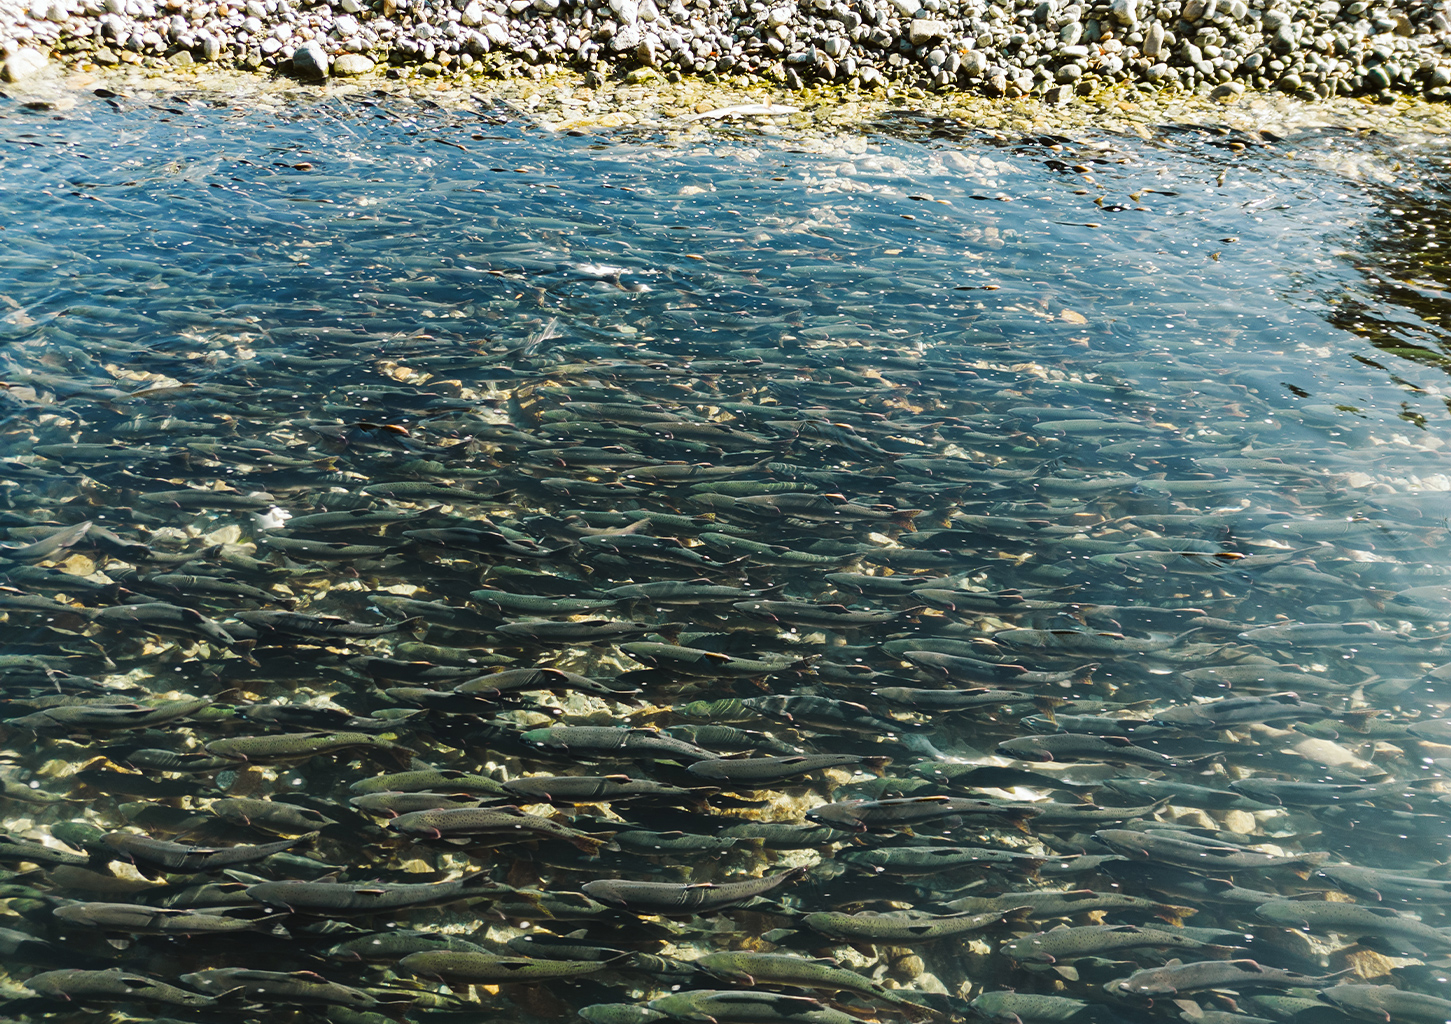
<point x="351" y="64"/>
<point x="26" y="62"/>
<point x="311" y="60"/>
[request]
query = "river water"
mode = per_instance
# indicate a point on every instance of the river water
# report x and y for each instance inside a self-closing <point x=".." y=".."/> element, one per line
<point x="1106" y="468"/>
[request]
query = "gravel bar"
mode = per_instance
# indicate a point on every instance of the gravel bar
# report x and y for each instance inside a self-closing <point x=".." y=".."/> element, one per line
<point x="1046" y="48"/>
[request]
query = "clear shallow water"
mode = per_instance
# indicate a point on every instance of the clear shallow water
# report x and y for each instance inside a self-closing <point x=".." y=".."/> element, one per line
<point x="1169" y="390"/>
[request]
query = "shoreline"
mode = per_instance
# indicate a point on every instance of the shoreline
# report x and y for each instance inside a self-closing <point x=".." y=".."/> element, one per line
<point x="566" y="101"/>
<point x="1052" y="50"/>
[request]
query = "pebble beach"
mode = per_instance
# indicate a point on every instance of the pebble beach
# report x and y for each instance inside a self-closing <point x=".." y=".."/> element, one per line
<point x="1047" y="49"/>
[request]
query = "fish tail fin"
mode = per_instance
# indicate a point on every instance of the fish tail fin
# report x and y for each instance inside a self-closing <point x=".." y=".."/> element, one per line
<point x="1217" y="952"/>
<point x="1046" y="706"/>
<point x="904" y="519"/>
<point x="1359" y="719"/>
<point x="244" y="648"/>
<point x="592" y="845"/>
<point x="395" y="1009"/>
<point x="1017" y="915"/>
<point x="877" y="765"/>
<point x="1173" y="914"/>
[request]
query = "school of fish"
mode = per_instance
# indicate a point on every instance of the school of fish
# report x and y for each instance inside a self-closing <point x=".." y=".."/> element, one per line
<point x="361" y="677"/>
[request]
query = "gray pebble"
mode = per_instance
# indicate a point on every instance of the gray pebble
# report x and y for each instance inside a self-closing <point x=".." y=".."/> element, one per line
<point x="1330" y="47"/>
<point x="349" y="64"/>
<point x="311" y="60"/>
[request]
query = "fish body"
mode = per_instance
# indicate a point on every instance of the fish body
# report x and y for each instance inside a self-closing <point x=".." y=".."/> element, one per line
<point x="1188" y="851"/>
<point x="1353" y="919"/>
<point x="569" y="789"/>
<point x="929" y="860"/>
<point x="783" y="969"/>
<point x="325" y="899"/>
<point x="163" y="618"/>
<point x="1032" y="1008"/>
<point x="1380" y="884"/>
<point x="621" y="1013"/>
<point x="586" y="631"/>
<point x="489" y="823"/>
<point x="1070" y="641"/>
<point x="764" y="771"/>
<point x="734" y="1006"/>
<point x="113" y="985"/>
<point x="1187" y="794"/>
<point x="1062" y="903"/>
<point x="271" y="815"/>
<point x="592" y="741"/>
<point x="1067" y="943"/>
<point x="492" y="969"/>
<point x="296" y="624"/>
<point x="511" y="680"/>
<point x="694" y="661"/>
<point x="392" y="945"/>
<point x="279" y="747"/>
<point x="444" y="780"/>
<point x="903" y="927"/>
<point x="301" y="987"/>
<point x="1388" y="1004"/>
<point x="1176" y="978"/>
<point x="918" y="699"/>
<point x="1293" y="793"/>
<point x="139" y="920"/>
<point x="1082" y="746"/>
<point x="178" y="857"/>
<point x="896" y="812"/>
<point x="826" y="713"/>
<point x="1231" y="711"/>
<point x="669" y="898"/>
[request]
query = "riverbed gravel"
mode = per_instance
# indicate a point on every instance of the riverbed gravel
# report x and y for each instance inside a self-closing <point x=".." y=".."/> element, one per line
<point x="1051" y="49"/>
